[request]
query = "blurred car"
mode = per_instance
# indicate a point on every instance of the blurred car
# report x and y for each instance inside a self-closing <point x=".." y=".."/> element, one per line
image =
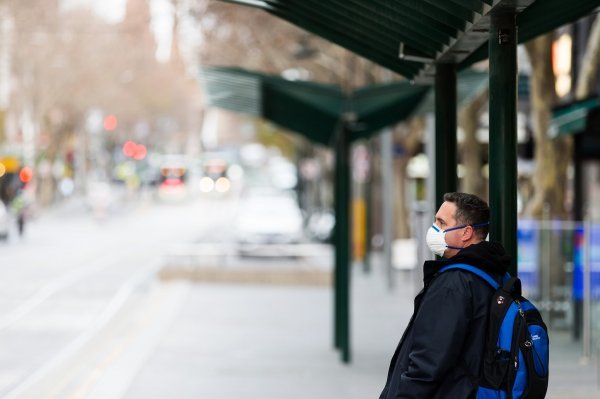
<point x="4" y="221"/>
<point x="174" y="173"/>
<point x="215" y="176"/>
<point x="269" y="218"/>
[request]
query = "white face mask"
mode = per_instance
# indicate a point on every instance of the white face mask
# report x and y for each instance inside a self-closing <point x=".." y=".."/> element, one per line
<point x="436" y="238"/>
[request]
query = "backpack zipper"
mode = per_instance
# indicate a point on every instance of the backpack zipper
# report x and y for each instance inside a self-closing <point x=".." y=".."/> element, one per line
<point x="515" y="347"/>
<point x="516" y="341"/>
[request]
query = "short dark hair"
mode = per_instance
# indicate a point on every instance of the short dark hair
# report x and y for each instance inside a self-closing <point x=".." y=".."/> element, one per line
<point x="470" y="210"/>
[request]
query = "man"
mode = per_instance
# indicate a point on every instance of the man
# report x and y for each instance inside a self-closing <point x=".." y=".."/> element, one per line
<point x="441" y="351"/>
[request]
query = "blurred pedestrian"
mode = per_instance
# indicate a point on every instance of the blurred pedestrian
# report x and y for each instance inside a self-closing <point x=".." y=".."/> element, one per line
<point x="19" y="206"/>
<point x="440" y="353"/>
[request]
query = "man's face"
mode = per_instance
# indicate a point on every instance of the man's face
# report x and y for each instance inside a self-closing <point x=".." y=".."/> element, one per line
<point x="445" y="219"/>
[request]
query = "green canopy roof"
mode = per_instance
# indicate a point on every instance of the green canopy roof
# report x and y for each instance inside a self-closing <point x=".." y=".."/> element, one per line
<point x="383" y="105"/>
<point x="410" y="36"/>
<point x="311" y="109"/>
<point x="468" y="85"/>
<point x="572" y="119"/>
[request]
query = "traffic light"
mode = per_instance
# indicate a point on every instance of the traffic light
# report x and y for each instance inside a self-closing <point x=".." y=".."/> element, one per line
<point x="129" y="148"/>
<point x="110" y="123"/>
<point x="140" y="152"/>
<point x="136" y="151"/>
<point x="25" y="175"/>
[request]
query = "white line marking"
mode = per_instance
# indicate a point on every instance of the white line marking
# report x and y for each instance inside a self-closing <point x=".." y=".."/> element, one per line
<point x="53" y="287"/>
<point x="109" y="312"/>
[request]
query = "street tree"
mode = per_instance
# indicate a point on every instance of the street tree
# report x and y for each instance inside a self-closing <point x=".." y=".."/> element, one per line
<point x="471" y="150"/>
<point x="66" y="62"/>
<point x="553" y="156"/>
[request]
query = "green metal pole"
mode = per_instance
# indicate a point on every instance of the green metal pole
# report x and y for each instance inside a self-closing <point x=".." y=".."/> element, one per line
<point x="503" y="132"/>
<point x="342" y="244"/>
<point x="337" y="244"/>
<point x="445" y="131"/>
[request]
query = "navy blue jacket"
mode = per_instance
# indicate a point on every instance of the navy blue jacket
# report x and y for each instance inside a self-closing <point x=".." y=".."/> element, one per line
<point x="442" y="348"/>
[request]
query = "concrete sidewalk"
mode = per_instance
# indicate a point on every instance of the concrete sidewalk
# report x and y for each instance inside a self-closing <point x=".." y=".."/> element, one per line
<point x="267" y="341"/>
<point x="569" y="376"/>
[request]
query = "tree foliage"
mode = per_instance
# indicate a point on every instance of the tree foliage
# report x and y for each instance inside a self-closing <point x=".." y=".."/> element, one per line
<point x="552" y="157"/>
<point x="68" y="62"/>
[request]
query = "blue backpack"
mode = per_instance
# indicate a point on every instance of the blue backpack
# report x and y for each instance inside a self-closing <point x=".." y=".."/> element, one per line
<point x="516" y="357"/>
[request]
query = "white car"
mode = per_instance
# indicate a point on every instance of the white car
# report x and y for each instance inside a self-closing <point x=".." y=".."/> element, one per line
<point x="4" y="222"/>
<point x="269" y="218"/>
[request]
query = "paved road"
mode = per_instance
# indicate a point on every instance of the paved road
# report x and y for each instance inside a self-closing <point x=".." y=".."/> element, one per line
<point x="75" y="283"/>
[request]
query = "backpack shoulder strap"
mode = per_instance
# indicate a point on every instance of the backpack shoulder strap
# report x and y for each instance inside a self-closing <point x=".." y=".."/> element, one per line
<point x="475" y="270"/>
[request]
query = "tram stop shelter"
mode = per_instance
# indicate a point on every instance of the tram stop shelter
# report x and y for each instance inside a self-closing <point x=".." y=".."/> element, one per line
<point x="427" y="42"/>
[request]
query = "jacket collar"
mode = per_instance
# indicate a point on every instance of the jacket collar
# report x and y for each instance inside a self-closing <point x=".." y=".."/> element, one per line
<point x="488" y="256"/>
<point x="431" y="268"/>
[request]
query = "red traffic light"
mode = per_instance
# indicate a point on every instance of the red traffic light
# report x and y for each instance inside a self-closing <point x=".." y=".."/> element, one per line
<point x="129" y="148"/>
<point x="26" y="174"/>
<point x="135" y="151"/>
<point x="110" y="123"/>
<point x="140" y="152"/>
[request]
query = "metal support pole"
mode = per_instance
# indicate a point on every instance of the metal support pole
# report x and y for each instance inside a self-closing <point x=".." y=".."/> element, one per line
<point x="387" y="176"/>
<point x="503" y="132"/>
<point x="422" y="221"/>
<point x="445" y="131"/>
<point x="430" y="151"/>
<point x="342" y="244"/>
<point x="587" y="293"/>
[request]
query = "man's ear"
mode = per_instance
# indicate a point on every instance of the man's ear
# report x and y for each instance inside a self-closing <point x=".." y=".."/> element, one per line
<point x="468" y="233"/>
